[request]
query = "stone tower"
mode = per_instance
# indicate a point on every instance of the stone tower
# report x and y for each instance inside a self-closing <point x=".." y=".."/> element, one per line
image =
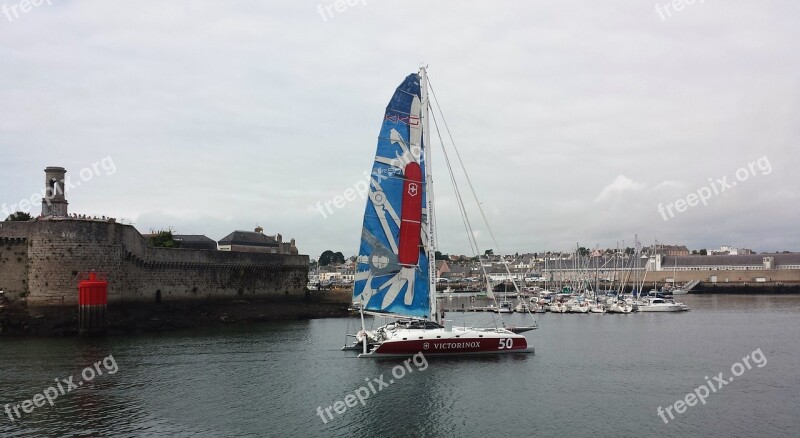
<point x="54" y="202"/>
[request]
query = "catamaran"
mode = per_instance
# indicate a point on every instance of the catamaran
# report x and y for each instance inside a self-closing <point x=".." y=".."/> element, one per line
<point x="395" y="274"/>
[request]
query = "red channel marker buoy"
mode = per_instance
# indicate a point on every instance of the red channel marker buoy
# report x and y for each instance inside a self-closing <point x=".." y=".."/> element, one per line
<point x="92" y="302"/>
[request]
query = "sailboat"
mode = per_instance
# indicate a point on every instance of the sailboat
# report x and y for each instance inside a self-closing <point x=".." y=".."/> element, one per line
<point x="395" y="274"/>
<point x="679" y="290"/>
<point x="505" y="306"/>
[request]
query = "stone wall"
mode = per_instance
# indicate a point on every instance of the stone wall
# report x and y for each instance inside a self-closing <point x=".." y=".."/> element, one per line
<point x="13" y="267"/>
<point x="789" y="276"/>
<point x="57" y="250"/>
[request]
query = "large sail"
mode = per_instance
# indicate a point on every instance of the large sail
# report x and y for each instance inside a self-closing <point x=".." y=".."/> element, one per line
<point x="392" y="275"/>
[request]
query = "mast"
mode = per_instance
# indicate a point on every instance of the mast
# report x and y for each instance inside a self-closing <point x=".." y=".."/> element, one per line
<point x="546" y="272"/>
<point x="597" y="273"/>
<point x="674" y="272"/>
<point x="614" y="277"/>
<point x="426" y="147"/>
<point x="636" y="255"/>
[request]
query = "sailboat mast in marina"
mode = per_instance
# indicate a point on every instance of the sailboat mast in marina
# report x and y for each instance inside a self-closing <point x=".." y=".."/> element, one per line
<point x="395" y="273"/>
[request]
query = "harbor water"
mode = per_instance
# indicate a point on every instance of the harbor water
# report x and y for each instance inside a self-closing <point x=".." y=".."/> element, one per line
<point x="591" y="375"/>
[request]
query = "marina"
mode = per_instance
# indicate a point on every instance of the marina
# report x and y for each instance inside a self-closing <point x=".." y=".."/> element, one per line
<point x="462" y="305"/>
<point x="616" y="371"/>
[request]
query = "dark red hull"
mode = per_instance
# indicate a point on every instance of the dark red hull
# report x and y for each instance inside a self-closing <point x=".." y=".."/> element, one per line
<point x="452" y="346"/>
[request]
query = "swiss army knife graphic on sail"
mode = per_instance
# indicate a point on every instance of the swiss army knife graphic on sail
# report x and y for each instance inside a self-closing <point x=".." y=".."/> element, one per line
<point x="399" y="261"/>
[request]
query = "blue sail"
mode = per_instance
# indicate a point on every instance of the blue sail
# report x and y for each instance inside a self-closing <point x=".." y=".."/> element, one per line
<point x="392" y="273"/>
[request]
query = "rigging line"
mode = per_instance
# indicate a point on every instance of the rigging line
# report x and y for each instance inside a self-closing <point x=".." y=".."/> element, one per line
<point x="469" y="181"/>
<point x="462" y="208"/>
<point x="459" y="200"/>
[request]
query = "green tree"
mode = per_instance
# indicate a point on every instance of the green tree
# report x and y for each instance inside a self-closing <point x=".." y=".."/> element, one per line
<point x="439" y="256"/>
<point x="325" y="258"/>
<point x="19" y="216"/>
<point x="163" y="239"/>
<point x="703" y="252"/>
<point x="329" y="257"/>
<point x="488" y="252"/>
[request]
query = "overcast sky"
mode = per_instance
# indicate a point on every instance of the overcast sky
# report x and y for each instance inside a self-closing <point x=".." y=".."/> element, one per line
<point x="576" y="119"/>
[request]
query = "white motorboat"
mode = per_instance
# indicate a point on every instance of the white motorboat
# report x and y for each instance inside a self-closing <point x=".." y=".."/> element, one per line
<point x="661" y="305"/>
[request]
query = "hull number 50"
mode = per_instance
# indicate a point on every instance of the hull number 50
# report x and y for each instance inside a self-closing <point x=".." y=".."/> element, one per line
<point x="506" y="344"/>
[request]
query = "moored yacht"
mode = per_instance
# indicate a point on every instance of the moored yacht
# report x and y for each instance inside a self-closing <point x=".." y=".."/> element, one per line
<point x="597" y="308"/>
<point x="505" y="307"/>
<point x="558" y="307"/>
<point x="578" y="305"/>
<point x="619" y="306"/>
<point x="678" y="291"/>
<point x="661" y="305"/>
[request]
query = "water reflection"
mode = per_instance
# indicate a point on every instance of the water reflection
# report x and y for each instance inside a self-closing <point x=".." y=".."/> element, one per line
<point x="269" y="379"/>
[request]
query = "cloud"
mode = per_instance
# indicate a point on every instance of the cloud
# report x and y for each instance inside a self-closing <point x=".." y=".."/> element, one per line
<point x="618" y="187"/>
<point x="669" y="185"/>
<point x="251" y="112"/>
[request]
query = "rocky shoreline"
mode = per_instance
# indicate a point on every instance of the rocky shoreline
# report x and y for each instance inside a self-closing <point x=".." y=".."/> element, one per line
<point x="16" y="319"/>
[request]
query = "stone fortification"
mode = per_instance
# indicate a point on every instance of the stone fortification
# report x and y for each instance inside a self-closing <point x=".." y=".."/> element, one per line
<point x="40" y="261"/>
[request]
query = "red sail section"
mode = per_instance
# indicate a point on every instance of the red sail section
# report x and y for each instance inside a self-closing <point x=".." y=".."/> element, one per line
<point x="411" y="216"/>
